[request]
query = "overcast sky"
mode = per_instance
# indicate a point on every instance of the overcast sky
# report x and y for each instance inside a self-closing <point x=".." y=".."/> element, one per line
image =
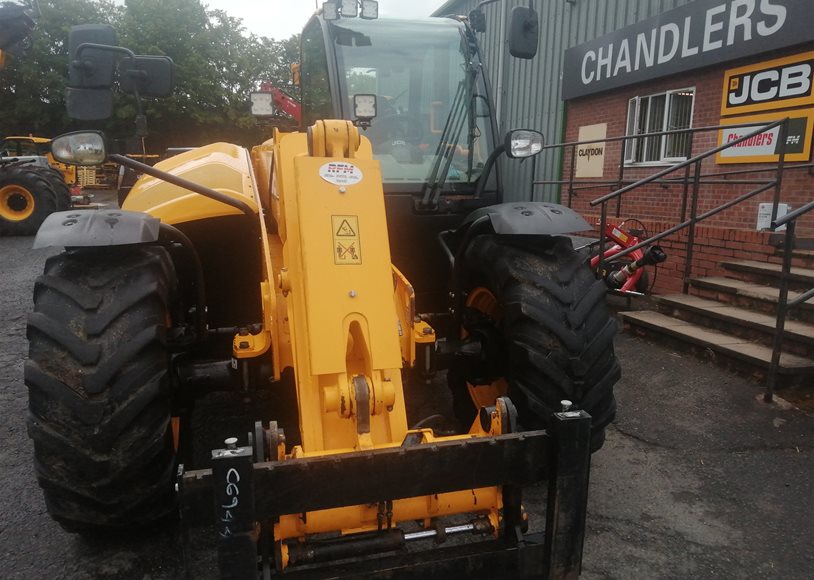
<point x="281" y="18"/>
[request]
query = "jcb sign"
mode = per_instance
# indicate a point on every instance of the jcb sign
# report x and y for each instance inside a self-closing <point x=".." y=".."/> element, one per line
<point x="775" y="84"/>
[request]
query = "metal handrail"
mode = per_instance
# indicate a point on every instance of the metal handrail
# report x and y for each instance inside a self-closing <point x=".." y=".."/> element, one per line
<point x="688" y="162"/>
<point x="783" y="305"/>
<point x="695" y="181"/>
<point x="696" y="186"/>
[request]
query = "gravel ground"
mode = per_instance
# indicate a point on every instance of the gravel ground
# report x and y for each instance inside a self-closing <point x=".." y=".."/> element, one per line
<point x="698" y="479"/>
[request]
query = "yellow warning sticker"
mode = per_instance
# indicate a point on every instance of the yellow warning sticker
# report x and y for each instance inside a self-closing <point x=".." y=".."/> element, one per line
<point x="347" y="248"/>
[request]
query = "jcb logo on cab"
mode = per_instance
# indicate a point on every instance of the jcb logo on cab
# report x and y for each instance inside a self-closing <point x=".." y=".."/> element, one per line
<point x="776" y="84"/>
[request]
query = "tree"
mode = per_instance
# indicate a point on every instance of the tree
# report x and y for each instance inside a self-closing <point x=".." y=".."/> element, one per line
<point x="217" y="66"/>
<point x="217" y="62"/>
<point x="32" y="86"/>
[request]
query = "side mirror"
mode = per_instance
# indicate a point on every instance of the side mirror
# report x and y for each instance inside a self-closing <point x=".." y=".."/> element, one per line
<point x="90" y="75"/>
<point x="80" y="148"/>
<point x="150" y="76"/>
<point x="17" y="25"/>
<point x="91" y="68"/>
<point x="522" y="143"/>
<point x="523" y="32"/>
<point x="89" y="104"/>
<point x="477" y="20"/>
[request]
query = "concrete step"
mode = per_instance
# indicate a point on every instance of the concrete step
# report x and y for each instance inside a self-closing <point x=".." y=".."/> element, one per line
<point x="747" y="324"/>
<point x="730" y="351"/>
<point x="768" y="273"/>
<point x="804" y="258"/>
<point x="750" y="296"/>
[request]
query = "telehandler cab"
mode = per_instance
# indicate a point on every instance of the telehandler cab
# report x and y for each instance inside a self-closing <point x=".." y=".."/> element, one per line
<point x="291" y="268"/>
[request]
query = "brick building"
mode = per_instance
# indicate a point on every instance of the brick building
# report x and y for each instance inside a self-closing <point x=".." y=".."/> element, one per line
<point x="610" y="68"/>
<point x="727" y="67"/>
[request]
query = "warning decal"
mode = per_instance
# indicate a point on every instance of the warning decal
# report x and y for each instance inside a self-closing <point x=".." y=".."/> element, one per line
<point x="346" y="247"/>
<point x="345" y="231"/>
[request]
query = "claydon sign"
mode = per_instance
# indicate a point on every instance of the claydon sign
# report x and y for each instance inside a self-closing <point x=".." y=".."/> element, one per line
<point x="591" y="156"/>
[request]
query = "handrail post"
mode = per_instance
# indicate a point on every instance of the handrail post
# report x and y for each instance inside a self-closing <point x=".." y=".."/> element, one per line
<point x="781" y="162"/>
<point x="602" y="221"/>
<point x="782" y="301"/>
<point x="686" y="190"/>
<point x="696" y="184"/>
<point x="571" y="174"/>
<point x="621" y="172"/>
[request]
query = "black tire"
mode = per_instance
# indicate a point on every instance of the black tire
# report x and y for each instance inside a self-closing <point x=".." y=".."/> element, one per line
<point x="26" y="199"/>
<point x="61" y="189"/>
<point x="552" y="335"/>
<point x="98" y="387"/>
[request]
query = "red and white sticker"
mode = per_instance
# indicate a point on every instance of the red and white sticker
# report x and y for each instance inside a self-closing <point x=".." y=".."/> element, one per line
<point x="340" y="173"/>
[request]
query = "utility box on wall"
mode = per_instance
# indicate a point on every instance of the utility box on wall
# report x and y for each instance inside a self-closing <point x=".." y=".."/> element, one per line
<point x="764" y="215"/>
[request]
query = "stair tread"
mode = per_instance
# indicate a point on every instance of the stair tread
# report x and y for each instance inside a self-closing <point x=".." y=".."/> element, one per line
<point x="769" y="268"/>
<point x="746" y="289"/>
<point x="795" y="328"/>
<point x="733" y="346"/>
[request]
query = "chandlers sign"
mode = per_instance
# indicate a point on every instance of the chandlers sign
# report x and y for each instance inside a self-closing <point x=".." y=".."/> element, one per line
<point x="698" y="34"/>
<point x="765" y="147"/>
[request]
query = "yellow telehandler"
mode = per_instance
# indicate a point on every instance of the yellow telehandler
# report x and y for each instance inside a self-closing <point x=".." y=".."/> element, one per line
<point x="326" y="269"/>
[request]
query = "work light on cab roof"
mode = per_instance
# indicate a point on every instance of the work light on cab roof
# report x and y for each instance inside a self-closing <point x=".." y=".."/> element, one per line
<point x="334" y="9"/>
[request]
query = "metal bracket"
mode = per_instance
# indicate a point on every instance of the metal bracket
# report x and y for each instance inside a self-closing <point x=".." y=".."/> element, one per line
<point x="567" y="494"/>
<point x="233" y="487"/>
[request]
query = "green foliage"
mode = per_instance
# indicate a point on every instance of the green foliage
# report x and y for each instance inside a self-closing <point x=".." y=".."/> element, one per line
<point x="32" y="85"/>
<point x="217" y="65"/>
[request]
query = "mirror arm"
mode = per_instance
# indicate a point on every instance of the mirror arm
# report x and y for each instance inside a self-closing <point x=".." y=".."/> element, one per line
<point x="86" y="45"/>
<point x="181" y="182"/>
<point x="487" y="169"/>
<point x="79" y="63"/>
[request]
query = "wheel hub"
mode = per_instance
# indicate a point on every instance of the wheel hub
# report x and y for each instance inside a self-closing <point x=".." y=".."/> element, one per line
<point x="16" y="203"/>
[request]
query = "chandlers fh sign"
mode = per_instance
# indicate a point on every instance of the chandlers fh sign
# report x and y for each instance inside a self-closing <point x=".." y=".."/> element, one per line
<point x="695" y="35"/>
<point x="768" y="86"/>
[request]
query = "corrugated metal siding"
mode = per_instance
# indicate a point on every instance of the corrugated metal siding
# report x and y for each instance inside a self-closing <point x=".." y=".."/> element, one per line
<point x="527" y="93"/>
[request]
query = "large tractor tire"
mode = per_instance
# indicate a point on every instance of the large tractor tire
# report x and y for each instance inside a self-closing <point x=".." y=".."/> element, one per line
<point x="98" y="385"/>
<point x="547" y="330"/>
<point x="61" y="189"/>
<point x="26" y="199"/>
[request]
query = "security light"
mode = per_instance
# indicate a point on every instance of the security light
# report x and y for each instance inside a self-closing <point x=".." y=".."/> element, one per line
<point x="370" y="9"/>
<point x="350" y="9"/>
<point x="330" y="11"/>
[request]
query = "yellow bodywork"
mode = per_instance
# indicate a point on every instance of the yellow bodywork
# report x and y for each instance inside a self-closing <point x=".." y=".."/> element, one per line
<point x="334" y="307"/>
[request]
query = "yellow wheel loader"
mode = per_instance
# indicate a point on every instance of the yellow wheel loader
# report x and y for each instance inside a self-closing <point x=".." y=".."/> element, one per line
<point x="327" y="269"/>
<point x="20" y="146"/>
<point x="30" y="189"/>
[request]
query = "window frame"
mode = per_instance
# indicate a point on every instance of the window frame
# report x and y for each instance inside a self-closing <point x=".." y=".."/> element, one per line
<point x="632" y="145"/>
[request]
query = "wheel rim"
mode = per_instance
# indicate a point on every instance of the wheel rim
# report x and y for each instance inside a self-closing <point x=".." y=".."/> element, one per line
<point x="16" y="203"/>
<point x="482" y="300"/>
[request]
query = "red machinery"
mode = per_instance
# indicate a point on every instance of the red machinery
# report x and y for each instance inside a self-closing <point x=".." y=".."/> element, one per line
<point x="625" y="274"/>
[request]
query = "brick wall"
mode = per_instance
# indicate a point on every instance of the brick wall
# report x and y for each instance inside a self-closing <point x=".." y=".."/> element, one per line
<point x="728" y="235"/>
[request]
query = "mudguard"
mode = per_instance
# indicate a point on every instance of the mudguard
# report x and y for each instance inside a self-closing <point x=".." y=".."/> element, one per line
<point x="530" y="218"/>
<point x="107" y="227"/>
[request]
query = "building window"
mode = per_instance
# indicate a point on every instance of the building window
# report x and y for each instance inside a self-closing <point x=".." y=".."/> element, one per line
<point x="656" y="113"/>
